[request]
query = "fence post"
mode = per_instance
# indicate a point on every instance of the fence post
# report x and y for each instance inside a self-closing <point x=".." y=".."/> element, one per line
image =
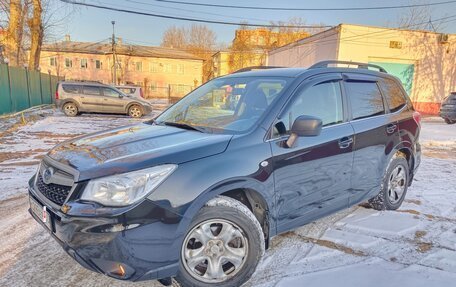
<point x="28" y="86"/>
<point x="9" y="87"/>
<point x="41" y="87"/>
<point x="50" y="87"/>
<point x="169" y="94"/>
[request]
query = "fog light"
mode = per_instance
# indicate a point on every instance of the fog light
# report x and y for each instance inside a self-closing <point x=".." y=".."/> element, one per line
<point x="121" y="271"/>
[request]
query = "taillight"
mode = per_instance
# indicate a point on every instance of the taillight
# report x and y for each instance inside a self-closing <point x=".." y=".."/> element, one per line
<point x="141" y="93"/>
<point x="417" y="117"/>
<point x="56" y="94"/>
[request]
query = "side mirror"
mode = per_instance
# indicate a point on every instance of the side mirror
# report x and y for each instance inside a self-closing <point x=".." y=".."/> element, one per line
<point x="121" y="96"/>
<point x="304" y="126"/>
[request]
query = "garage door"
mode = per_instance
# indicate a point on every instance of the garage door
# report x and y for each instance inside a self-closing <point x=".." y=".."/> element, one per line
<point x="403" y="71"/>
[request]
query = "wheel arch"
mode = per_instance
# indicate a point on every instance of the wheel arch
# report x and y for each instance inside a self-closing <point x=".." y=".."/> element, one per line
<point x="247" y="191"/>
<point x="133" y="103"/>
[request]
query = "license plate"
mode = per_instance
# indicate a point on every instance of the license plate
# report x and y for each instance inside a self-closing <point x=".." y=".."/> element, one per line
<point x="41" y="212"/>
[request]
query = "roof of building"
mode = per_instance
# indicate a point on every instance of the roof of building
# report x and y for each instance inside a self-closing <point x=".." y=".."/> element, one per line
<point x="121" y="49"/>
<point x="336" y="29"/>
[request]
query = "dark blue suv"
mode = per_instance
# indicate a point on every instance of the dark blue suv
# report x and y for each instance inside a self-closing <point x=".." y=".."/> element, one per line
<point x="198" y="192"/>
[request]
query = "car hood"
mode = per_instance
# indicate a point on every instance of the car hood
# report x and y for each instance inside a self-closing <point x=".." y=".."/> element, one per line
<point x="135" y="147"/>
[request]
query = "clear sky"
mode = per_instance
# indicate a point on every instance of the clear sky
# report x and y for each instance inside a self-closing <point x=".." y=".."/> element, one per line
<point x="91" y="24"/>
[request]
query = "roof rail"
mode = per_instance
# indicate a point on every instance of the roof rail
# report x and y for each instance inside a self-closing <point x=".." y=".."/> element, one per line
<point x="325" y="64"/>
<point x="247" y="69"/>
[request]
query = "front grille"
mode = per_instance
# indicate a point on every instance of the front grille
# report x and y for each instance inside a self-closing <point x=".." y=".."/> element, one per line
<point x="54" y="192"/>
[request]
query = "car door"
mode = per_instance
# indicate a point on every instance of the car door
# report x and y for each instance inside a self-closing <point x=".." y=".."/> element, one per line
<point x="113" y="101"/>
<point x="312" y="178"/>
<point x="91" y="98"/>
<point x="376" y="134"/>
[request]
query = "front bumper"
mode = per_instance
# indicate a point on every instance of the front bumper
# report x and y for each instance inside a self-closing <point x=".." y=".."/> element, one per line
<point x="137" y="244"/>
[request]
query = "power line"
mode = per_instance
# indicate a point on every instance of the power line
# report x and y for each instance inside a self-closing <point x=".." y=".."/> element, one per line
<point x="195" y="11"/>
<point x="187" y="18"/>
<point x="307" y="9"/>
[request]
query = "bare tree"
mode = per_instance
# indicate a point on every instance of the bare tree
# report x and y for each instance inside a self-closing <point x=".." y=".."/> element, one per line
<point x="175" y="37"/>
<point x="418" y="18"/>
<point x="36" y="31"/>
<point x="13" y="38"/>
<point x="198" y="40"/>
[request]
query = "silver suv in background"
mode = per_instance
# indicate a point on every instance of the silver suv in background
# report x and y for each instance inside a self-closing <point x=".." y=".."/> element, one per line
<point x="131" y="90"/>
<point x="77" y="97"/>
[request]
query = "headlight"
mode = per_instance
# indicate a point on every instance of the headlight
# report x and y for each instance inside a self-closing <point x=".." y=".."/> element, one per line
<point x="127" y="188"/>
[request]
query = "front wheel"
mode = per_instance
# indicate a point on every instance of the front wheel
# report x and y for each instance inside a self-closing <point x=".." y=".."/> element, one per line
<point x="394" y="186"/>
<point x="450" y="122"/>
<point x="223" y="246"/>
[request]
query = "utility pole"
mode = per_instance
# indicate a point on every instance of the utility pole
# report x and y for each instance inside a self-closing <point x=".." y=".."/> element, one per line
<point x="114" y="65"/>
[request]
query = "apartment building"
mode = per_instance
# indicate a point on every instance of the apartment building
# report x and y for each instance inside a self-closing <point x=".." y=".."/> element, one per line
<point x="158" y="70"/>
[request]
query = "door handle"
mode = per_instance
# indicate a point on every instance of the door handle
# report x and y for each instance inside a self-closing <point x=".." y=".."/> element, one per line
<point x="345" y="142"/>
<point x="391" y="128"/>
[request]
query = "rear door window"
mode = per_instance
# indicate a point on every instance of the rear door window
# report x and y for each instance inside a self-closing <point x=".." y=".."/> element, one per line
<point x="71" y="89"/>
<point x="91" y="90"/>
<point x="365" y="99"/>
<point x="394" y="96"/>
<point x="108" y="92"/>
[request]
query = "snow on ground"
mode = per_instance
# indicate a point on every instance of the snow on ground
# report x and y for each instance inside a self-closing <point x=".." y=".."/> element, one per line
<point x="414" y="246"/>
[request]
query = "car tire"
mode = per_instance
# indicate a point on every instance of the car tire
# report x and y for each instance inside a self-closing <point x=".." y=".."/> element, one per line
<point x="394" y="185"/>
<point x="227" y="234"/>
<point x="135" y="111"/>
<point x="70" y="109"/>
<point x="450" y="122"/>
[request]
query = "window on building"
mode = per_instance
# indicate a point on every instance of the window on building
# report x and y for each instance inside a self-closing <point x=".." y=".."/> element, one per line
<point x="180" y="68"/>
<point x="83" y="63"/>
<point x="323" y="100"/>
<point x="167" y="68"/>
<point x="98" y="64"/>
<point x="154" y="67"/>
<point x="365" y="99"/>
<point x="138" y="66"/>
<point x="53" y="61"/>
<point x="394" y="96"/>
<point x="68" y="63"/>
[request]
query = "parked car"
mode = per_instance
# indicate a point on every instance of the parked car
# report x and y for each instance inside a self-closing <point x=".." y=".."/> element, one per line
<point x="198" y="193"/>
<point x="448" y="109"/>
<point x="78" y="97"/>
<point x="131" y="90"/>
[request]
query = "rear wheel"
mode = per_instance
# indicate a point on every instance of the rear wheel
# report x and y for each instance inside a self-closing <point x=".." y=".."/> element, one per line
<point x="135" y="111"/>
<point x="450" y="122"/>
<point x="223" y="246"/>
<point x="70" y="109"/>
<point x="394" y="186"/>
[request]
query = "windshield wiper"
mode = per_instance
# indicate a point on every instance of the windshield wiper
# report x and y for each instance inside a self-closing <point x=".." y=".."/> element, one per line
<point x="184" y="126"/>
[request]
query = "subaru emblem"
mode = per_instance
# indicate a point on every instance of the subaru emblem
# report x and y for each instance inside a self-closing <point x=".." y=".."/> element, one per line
<point x="47" y="175"/>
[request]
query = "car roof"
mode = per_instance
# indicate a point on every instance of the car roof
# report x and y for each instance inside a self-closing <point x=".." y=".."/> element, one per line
<point x="87" y="83"/>
<point x="274" y="72"/>
<point x="298" y="72"/>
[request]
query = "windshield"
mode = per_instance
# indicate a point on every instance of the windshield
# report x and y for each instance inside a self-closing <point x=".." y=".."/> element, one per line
<point x="232" y="104"/>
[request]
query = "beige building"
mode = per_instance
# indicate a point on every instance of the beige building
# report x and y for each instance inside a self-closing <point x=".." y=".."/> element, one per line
<point x="160" y="71"/>
<point x="424" y="61"/>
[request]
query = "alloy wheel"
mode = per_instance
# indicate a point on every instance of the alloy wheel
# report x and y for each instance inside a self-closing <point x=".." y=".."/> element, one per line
<point x="214" y="251"/>
<point x="70" y="109"/>
<point x="135" y="111"/>
<point x="397" y="184"/>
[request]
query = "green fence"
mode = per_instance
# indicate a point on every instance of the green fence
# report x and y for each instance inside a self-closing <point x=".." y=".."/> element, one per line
<point x="21" y="89"/>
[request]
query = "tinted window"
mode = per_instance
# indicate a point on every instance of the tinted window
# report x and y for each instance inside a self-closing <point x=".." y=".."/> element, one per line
<point x="393" y="95"/>
<point x="323" y="101"/>
<point x="110" y="93"/>
<point x="365" y="99"/>
<point x="72" y="89"/>
<point x="91" y="90"/>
